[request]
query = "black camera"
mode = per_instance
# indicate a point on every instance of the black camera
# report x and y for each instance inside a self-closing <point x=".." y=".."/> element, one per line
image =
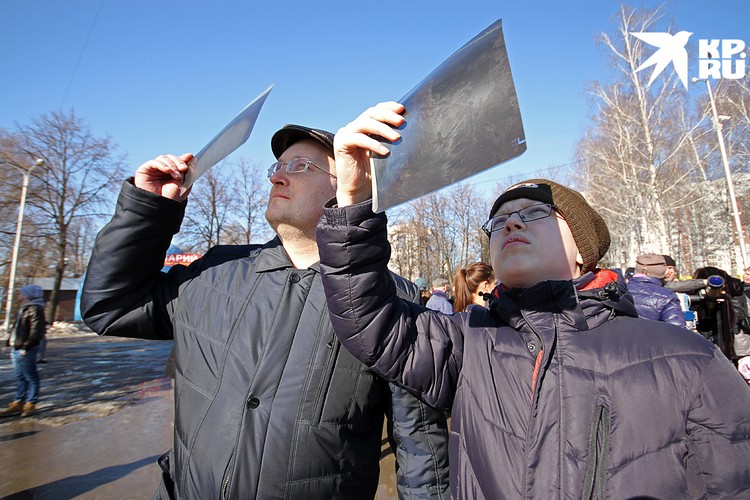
<point x="709" y="300"/>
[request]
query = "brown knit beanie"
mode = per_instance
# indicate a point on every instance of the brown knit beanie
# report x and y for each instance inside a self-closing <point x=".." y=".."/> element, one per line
<point x="588" y="228"/>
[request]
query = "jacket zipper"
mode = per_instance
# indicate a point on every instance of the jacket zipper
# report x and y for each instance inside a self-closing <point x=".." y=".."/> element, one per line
<point x="227" y="477"/>
<point x="593" y="486"/>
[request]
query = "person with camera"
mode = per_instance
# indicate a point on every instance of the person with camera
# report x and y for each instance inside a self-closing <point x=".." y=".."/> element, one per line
<point x="558" y="389"/>
<point x="741" y="305"/>
<point x="652" y="299"/>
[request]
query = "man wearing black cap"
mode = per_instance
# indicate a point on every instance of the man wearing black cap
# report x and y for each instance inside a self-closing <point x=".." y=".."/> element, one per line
<point x="267" y="403"/>
<point x="558" y="389"/>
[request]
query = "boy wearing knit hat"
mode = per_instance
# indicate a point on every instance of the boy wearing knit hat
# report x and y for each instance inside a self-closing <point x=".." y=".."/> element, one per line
<point x="558" y="389"/>
<point x="584" y="237"/>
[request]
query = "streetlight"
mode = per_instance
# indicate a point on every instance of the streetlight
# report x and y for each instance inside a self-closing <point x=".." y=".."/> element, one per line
<point x="718" y="119"/>
<point x="14" y="259"/>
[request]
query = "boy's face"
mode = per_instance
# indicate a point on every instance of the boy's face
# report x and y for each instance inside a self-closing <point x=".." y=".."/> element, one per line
<point x="526" y="253"/>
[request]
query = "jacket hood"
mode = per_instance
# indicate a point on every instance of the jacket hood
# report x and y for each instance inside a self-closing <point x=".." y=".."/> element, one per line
<point x="34" y="295"/>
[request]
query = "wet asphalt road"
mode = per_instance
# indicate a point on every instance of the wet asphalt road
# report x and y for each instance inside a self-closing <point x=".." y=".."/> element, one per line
<point x="104" y="416"/>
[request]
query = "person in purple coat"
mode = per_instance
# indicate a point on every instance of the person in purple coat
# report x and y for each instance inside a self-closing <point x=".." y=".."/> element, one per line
<point x="557" y="389"/>
<point x="652" y="299"/>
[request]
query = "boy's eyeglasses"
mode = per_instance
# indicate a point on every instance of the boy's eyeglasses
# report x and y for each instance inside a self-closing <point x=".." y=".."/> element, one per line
<point x="528" y="214"/>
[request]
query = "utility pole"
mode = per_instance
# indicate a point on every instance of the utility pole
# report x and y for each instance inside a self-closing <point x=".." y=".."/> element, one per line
<point x="14" y="259"/>
<point x="718" y="125"/>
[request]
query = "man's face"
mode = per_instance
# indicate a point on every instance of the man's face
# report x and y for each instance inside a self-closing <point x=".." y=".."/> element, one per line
<point x="296" y="200"/>
<point x="746" y="276"/>
<point x="525" y="253"/>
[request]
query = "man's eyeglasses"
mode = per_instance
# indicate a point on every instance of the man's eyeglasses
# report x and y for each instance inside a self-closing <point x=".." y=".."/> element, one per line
<point x="528" y="214"/>
<point x="295" y="166"/>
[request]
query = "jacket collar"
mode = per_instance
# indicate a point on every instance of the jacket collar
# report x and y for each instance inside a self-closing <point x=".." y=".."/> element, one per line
<point x="581" y="304"/>
<point x="646" y="279"/>
<point x="273" y="256"/>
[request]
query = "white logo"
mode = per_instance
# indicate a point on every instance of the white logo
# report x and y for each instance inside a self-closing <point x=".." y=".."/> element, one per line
<point x="671" y="50"/>
<point x="716" y="58"/>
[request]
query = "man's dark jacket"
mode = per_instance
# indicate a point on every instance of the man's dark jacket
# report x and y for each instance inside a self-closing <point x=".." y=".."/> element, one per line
<point x="29" y="327"/>
<point x="267" y="402"/>
<point x="557" y="391"/>
<point x="655" y="301"/>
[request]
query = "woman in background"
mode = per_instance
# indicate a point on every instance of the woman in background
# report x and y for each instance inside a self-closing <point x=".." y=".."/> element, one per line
<point x="470" y="285"/>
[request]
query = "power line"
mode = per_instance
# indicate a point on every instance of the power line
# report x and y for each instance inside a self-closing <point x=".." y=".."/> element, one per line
<point x="80" y="55"/>
<point x="536" y="172"/>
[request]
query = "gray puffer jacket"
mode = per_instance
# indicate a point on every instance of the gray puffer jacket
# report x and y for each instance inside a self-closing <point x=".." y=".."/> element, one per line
<point x="557" y="391"/>
<point x="267" y="402"/>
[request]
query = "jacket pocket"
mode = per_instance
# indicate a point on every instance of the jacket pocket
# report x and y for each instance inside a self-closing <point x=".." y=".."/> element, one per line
<point x="598" y="447"/>
<point x="333" y="347"/>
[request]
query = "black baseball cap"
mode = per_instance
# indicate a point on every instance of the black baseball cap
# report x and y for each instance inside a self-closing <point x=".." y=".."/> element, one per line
<point x="289" y="134"/>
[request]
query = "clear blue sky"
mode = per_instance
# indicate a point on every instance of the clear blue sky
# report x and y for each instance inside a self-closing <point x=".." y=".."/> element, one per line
<point x="160" y="76"/>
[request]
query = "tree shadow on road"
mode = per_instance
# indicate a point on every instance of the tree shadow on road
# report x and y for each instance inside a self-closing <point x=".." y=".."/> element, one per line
<point x="89" y="377"/>
<point x="73" y="486"/>
<point x="17" y="435"/>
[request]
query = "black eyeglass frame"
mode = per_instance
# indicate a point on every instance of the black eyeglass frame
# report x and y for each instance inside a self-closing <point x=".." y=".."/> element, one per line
<point x="498" y="222"/>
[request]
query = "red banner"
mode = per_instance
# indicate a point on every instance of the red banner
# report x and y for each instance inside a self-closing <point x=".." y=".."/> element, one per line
<point x="181" y="258"/>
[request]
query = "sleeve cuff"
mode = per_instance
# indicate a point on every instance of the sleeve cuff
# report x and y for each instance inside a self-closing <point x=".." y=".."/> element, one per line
<point x="130" y="190"/>
<point x="352" y="215"/>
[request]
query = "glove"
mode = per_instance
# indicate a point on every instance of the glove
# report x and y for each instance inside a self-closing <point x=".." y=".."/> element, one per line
<point x="743" y="366"/>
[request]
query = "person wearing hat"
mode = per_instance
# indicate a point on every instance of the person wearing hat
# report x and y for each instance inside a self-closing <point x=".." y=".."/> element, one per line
<point x="439" y="299"/>
<point x="26" y="335"/>
<point x="558" y="389"/>
<point x="267" y="403"/>
<point x="671" y="274"/>
<point x="652" y="299"/>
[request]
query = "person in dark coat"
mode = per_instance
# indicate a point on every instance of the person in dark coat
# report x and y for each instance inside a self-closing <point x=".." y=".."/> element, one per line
<point x="471" y="285"/>
<point x="28" y="331"/>
<point x="267" y="403"/>
<point x="652" y="299"/>
<point x="559" y="389"/>
<point x="718" y="317"/>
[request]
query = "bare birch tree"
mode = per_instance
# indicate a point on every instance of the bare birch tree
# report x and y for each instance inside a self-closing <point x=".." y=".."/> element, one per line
<point x="633" y="158"/>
